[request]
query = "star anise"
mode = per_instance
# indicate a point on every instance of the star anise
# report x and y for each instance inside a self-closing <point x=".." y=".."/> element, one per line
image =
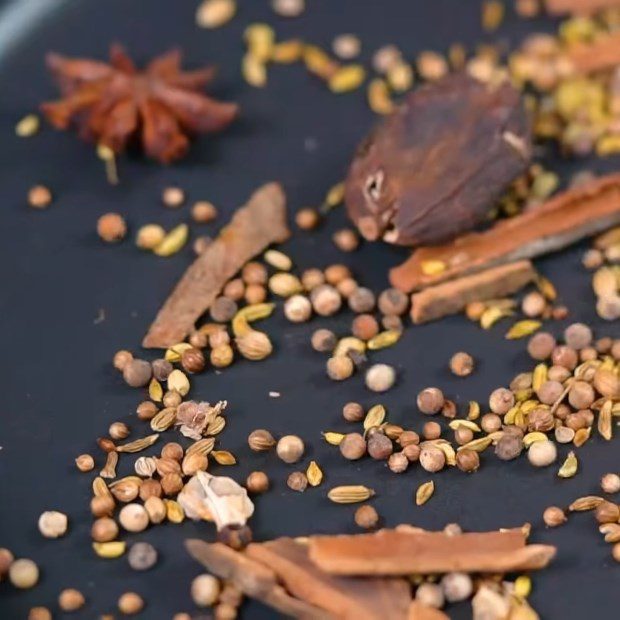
<point x="112" y="104"/>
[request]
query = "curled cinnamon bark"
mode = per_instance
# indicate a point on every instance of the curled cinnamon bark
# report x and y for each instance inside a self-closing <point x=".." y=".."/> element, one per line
<point x="568" y="217"/>
<point x="398" y="553"/>
<point x="451" y="297"/>
<point x="258" y="224"/>
<point x="579" y="7"/>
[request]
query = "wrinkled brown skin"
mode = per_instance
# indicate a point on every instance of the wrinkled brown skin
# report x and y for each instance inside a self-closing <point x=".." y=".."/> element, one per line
<point x="436" y="166"/>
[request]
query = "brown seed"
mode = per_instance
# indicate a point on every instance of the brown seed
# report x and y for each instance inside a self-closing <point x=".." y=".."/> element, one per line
<point x="297" y="481"/>
<point x="540" y="419"/>
<point x="257" y="482"/>
<point x="432" y="459"/>
<point x="431" y="430"/>
<point x="255" y="294"/>
<point x="412" y="452"/>
<point x="509" y="447"/>
<point x="578" y="336"/>
<point x="203" y="212"/>
<point x="134" y="517"/>
<point x="490" y="422"/>
<point x="565" y="356"/>
<point x="323" y="341"/>
<point x="85" y="462"/>
<point x="173" y="197"/>
<point x="533" y="304"/>
<point x="366" y="517"/>
<point x="39" y="613"/>
<point x="393" y="302"/>
<point x="337" y="273"/>
<point x="353" y="446"/>
<point x="581" y="395"/>
<point x="254" y="273"/>
<point x="501" y="401"/>
<point x="610" y="483"/>
<point x="121" y="359"/>
<point x="307" y="219"/>
<point x="150" y="488"/>
<point x="311" y="278"/>
<point x="607" y="512"/>
<point x="549" y="392"/>
<point x="398" y="462"/>
<point x="339" y="368"/>
<point x="71" y="600"/>
<point x="193" y="360"/>
<point x="118" y="430"/>
<point x="111" y="227"/>
<point x="102" y="506"/>
<point x="171" y="484"/>
<point x="615" y="552"/>
<point x="462" y="364"/>
<point x="541" y="346"/>
<point x="607" y="383"/>
<point x="290" y="448"/>
<point x="39" y="197"/>
<point x="193" y="463"/>
<point x="130" y="603"/>
<point x="362" y="300"/>
<point x="353" y="412"/>
<point x="104" y="529"/>
<point x="146" y="410"/>
<point x="463" y="435"/>
<point x="326" y="300"/>
<point x="408" y="437"/>
<point x="379" y="446"/>
<point x="137" y="373"/>
<point x="223" y="309"/>
<point x="261" y="440"/>
<point x="380" y="377"/>
<point x="234" y="289"/>
<point x="221" y="356"/>
<point x="161" y="369"/>
<point x="467" y="460"/>
<point x="297" y="309"/>
<point x="430" y="401"/>
<point x="554" y="516"/>
<point x="142" y="556"/>
<point x="365" y="327"/>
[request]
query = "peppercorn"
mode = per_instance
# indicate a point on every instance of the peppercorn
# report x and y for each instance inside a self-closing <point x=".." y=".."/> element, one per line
<point x="133" y="517"/>
<point x="380" y="377"/>
<point x="121" y="359"/>
<point x="336" y="273"/>
<point x="137" y="373"/>
<point x="366" y="517"/>
<point x="565" y="356"/>
<point x="102" y="506"/>
<point x="398" y="462"/>
<point x="339" y="368"/>
<point x="142" y="556"/>
<point x="297" y="309"/>
<point x="130" y="603"/>
<point x="607" y="512"/>
<point x="70" y="600"/>
<point x="362" y="300"/>
<point x="501" y="401"/>
<point x="221" y="356"/>
<point x="205" y="590"/>
<point x="509" y="447"/>
<point x="39" y="197"/>
<point x="353" y="412"/>
<point x="462" y="364"/>
<point x="353" y="446"/>
<point x="533" y="304"/>
<point x="104" y="529"/>
<point x="257" y="482"/>
<point x="297" y="481"/>
<point x="432" y="459"/>
<point x="430" y="401"/>
<point x="365" y="327"/>
<point x="554" y="516"/>
<point x="430" y="595"/>
<point x="193" y="360"/>
<point x="307" y="219"/>
<point x="431" y="430"/>
<point x="610" y="483"/>
<point x="290" y="448"/>
<point x="346" y="240"/>
<point x="111" y="227"/>
<point x="578" y="336"/>
<point x="326" y="300"/>
<point x="467" y="460"/>
<point x="542" y="453"/>
<point x="85" y="462"/>
<point x="456" y="587"/>
<point x="379" y="446"/>
<point x="393" y="302"/>
<point x="173" y="197"/>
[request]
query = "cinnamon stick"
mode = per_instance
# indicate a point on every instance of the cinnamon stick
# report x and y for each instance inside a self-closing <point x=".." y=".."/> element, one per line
<point x="398" y="553"/>
<point x="346" y="597"/>
<point x="599" y="55"/>
<point x="256" y="225"/>
<point x="252" y="578"/>
<point x="568" y="217"/>
<point x="417" y="611"/>
<point x="451" y="297"/>
<point x="578" y="7"/>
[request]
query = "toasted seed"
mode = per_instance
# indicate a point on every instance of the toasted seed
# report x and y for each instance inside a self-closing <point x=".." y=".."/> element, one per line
<point x="314" y="474"/>
<point x="531" y="438"/>
<point x="287" y="52"/>
<point x="215" y="13"/>
<point x="588" y="502"/>
<point x="178" y="382"/>
<point x="174" y="511"/>
<point x="424" y="492"/>
<point x="175" y="352"/>
<point x="100" y="488"/>
<point x="581" y="436"/>
<point x="350" y="494"/>
<point x="138" y="444"/>
<point x="223" y="457"/>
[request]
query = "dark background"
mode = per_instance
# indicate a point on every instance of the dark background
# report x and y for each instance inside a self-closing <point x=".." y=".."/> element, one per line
<point x="59" y="391"/>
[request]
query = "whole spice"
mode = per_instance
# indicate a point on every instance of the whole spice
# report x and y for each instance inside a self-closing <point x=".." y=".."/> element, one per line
<point x="290" y="448"/>
<point x="71" y="600"/>
<point x="424" y="492"/>
<point x="554" y="516"/>
<point x="610" y="483"/>
<point x="325" y="299"/>
<point x="353" y="412"/>
<point x="142" y="556"/>
<point x="456" y="587"/>
<point x="607" y="512"/>
<point x="339" y="368"/>
<point x="23" y="574"/>
<point x="323" y="340"/>
<point x="137" y="373"/>
<point x="150" y="236"/>
<point x="541" y="346"/>
<point x="380" y="377"/>
<point x="205" y="590"/>
<point x="85" y="462"/>
<point x="130" y="603"/>
<point x="462" y="364"/>
<point x="102" y="506"/>
<point x="501" y="400"/>
<point x="104" y="529"/>
<point x="257" y="482"/>
<point x="398" y="462"/>
<point x="307" y="219"/>
<point x="111" y="227"/>
<point x="430" y="401"/>
<point x="39" y="613"/>
<point x="53" y="524"/>
<point x="353" y="446"/>
<point x="297" y="481"/>
<point x="542" y="453"/>
<point x="366" y="517"/>
<point x="467" y="460"/>
<point x="509" y="447"/>
<point x="118" y="430"/>
<point x="350" y="494"/>
<point x="379" y="446"/>
<point x="134" y="517"/>
<point x="261" y="440"/>
<point x="432" y="459"/>
<point x="39" y="197"/>
<point x="297" y="309"/>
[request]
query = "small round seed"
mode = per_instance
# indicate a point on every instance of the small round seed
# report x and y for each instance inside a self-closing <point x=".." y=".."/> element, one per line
<point x="290" y="448"/>
<point x="142" y="556"/>
<point x="610" y="483"/>
<point x="71" y="600"/>
<point x="462" y="364"/>
<point x="111" y="227"/>
<point x="366" y="517"/>
<point x="430" y="401"/>
<point x="257" y="482"/>
<point x="554" y="516"/>
<point x="380" y="377"/>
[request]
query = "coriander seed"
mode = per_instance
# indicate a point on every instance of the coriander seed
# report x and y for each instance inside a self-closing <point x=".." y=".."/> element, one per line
<point x="431" y="430"/>
<point x="610" y="483"/>
<point x="353" y="446"/>
<point x="290" y="448"/>
<point x="347" y="287"/>
<point x="146" y="410"/>
<point x="362" y="300"/>
<point x="581" y="395"/>
<point x="6" y="559"/>
<point x="326" y="300"/>
<point x="366" y="517"/>
<point x="70" y="600"/>
<point x="121" y="359"/>
<point x="432" y="459"/>
<point x="463" y="435"/>
<point x="456" y="587"/>
<point x="118" y="430"/>
<point x="323" y="340"/>
<point x="39" y="197"/>
<point x="203" y="212"/>
<point x="297" y="481"/>
<point x="533" y="304"/>
<point x="412" y="452"/>
<point x="353" y="412"/>
<point x="337" y="273"/>
<point x="311" y="278"/>
<point x="142" y="556"/>
<point x="554" y="516"/>
<point x="509" y="447"/>
<point x="23" y="573"/>
<point x="297" y="309"/>
<point x="255" y="294"/>
<point x="565" y="356"/>
<point x="223" y="309"/>
<point x="549" y="392"/>
<point x="193" y="360"/>
<point x="364" y="327"/>
<point x="161" y="369"/>
<point x="430" y="401"/>
<point x="137" y="373"/>
<point x="254" y="273"/>
<point x="150" y="236"/>
<point x="307" y="219"/>
<point x="430" y="595"/>
<point x="467" y="460"/>
<point x="339" y="368"/>
<point x="104" y="529"/>
<point x="501" y="401"/>
<point x="615" y="552"/>
<point x="379" y="446"/>
<point x="205" y="590"/>
<point x="102" y="506"/>
<point x="234" y="289"/>
<point x="346" y="240"/>
<point x="257" y="482"/>
<point x="578" y="336"/>
<point x="542" y="453"/>
<point x="39" y="613"/>
<point x="173" y="197"/>
<point x="380" y="377"/>
<point x="541" y="345"/>
<point x="53" y="524"/>
<point x="462" y="364"/>
<point x="85" y="462"/>
<point x="130" y="603"/>
<point x="393" y="302"/>
<point x="607" y="512"/>
<point x="134" y="517"/>
<point x="261" y="440"/>
<point x="111" y="227"/>
<point x="398" y="462"/>
<point x="221" y="356"/>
